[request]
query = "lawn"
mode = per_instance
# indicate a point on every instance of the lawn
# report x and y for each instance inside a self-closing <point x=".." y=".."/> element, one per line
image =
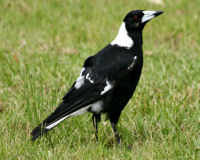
<point x="43" y="45"/>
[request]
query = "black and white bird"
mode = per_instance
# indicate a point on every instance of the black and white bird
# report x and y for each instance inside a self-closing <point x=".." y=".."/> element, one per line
<point x="108" y="79"/>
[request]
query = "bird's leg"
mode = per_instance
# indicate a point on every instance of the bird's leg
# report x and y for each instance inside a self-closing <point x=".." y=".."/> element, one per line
<point x="116" y="133"/>
<point x="96" y="119"/>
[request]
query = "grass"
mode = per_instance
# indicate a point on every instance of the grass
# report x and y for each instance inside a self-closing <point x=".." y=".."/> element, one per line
<point x="42" y="48"/>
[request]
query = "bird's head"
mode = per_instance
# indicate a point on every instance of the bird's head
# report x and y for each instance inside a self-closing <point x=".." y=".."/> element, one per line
<point x="136" y="20"/>
<point x="130" y="32"/>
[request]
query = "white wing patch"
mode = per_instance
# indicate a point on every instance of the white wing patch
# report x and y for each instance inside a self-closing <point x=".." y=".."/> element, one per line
<point x="89" y="78"/>
<point x="122" y="39"/>
<point x="107" y="87"/>
<point x="80" y="80"/>
<point x="132" y="64"/>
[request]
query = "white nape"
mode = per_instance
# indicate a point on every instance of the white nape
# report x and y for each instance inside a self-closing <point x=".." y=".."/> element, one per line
<point x="148" y="15"/>
<point x="107" y="87"/>
<point x="80" y="80"/>
<point x="122" y="39"/>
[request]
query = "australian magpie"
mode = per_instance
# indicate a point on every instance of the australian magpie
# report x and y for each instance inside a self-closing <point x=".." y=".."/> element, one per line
<point x="107" y="80"/>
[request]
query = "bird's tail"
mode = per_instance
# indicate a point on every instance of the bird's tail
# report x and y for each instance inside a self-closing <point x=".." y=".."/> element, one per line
<point x="38" y="131"/>
<point x="49" y="123"/>
<point x="74" y="104"/>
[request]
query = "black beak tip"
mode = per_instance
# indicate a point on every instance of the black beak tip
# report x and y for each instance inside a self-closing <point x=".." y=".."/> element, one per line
<point x="158" y="13"/>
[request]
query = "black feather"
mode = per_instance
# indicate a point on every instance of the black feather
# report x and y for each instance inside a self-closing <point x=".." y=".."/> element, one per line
<point x="71" y="103"/>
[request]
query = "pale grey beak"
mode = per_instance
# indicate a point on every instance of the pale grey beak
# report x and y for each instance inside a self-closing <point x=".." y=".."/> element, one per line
<point x="148" y="15"/>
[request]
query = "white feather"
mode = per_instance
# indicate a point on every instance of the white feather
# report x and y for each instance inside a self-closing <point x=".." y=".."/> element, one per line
<point x="107" y="87"/>
<point x="97" y="107"/>
<point x="88" y="78"/>
<point x="55" y="123"/>
<point x="80" y="80"/>
<point x="132" y="64"/>
<point x="76" y="113"/>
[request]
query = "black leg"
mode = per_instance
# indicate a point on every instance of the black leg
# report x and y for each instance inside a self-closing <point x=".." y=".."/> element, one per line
<point x="116" y="133"/>
<point x="96" y="119"/>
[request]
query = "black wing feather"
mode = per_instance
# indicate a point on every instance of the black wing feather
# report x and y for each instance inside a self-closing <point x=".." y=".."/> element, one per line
<point x="77" y="99"/>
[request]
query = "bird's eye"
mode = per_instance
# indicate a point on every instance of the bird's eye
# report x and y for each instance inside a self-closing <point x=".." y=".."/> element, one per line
<point x="135" y="17"/>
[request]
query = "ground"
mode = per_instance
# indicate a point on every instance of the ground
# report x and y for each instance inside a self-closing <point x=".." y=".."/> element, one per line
<point x="43" y="45"/>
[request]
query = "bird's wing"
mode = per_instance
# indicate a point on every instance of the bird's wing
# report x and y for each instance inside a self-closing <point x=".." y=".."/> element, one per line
<point x="77" y="100"/>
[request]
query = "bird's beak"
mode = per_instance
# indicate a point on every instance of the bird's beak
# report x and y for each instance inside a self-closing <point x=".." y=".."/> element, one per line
<point x="148" y="15"/>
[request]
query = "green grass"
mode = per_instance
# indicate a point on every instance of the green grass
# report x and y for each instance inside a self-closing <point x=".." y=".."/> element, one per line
<point x="42" y="48"/>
